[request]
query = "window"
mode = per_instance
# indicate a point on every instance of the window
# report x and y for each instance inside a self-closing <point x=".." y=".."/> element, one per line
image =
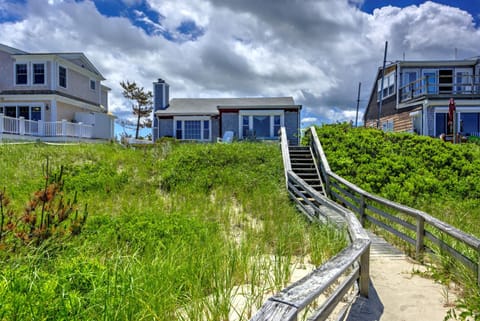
<point x="92" y="84"/>
<point x="470" y="124"/>
<point x="24" y="111"/>
<point x="62" y="77"/>
<point x="276" y="125"/>
<point x="21" y="74"/>
<point x="192" y="128"/>
<point x="440" y="124"/>
<point x="28" y="112"/>
<point x="38" y="73"/>
<point x="410" y="85"/>
<point x="429" y="83"/>
<point x="245" y="125"/>
<point x="179" y="132"/>
<point x="463" y="81"/>
<point x="388" y="85"/>
<point x="206" y="128"/>
<point x="388" y="126"/>
<point x="261" y="124"/>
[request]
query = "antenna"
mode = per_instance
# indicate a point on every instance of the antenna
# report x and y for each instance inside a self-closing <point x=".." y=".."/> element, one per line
<point x="358" y="103"/>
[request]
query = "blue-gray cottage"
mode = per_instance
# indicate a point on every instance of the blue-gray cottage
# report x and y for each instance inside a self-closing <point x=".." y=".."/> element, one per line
<point x="207" y="119"/>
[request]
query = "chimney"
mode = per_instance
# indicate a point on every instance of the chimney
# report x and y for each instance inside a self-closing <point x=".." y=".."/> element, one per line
<point x="161" y="98"/>
<point x="161" y="95"/>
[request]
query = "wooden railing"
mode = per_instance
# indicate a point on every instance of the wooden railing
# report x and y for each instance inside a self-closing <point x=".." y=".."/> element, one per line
<point x="424" y="232"/>
<point x="348" y="267"/>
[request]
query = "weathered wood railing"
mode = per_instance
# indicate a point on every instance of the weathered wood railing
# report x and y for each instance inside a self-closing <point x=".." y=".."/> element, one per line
<point x="347" y="267"/>
<point x="421" y="230"/>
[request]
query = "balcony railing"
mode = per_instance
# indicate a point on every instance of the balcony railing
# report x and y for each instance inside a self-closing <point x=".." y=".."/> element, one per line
<point x="25" y="127"/>
<point x="458" y="85"/>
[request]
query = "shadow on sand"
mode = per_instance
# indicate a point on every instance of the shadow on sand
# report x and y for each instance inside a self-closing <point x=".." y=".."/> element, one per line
<point x="364" y="309"/>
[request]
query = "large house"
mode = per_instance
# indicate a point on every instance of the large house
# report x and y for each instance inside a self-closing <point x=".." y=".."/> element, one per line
<point x="208" y="119"/>
<point x="416" y="95"/>
<point x="52" y="96"/>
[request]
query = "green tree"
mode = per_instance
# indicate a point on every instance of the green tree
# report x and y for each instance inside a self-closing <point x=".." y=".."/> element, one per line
<point x="142" y="103"/>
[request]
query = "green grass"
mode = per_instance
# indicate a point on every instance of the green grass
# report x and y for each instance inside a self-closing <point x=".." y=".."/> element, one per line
<point x="171" y="231"/>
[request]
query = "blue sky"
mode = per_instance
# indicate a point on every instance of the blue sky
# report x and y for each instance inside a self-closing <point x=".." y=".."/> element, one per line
<point x="315" y="51"/>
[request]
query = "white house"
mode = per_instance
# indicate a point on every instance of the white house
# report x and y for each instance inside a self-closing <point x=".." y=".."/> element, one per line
<point x="52" y="96"/>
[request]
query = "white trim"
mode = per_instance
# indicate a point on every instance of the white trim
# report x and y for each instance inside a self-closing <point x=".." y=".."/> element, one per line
<point x="29" y="104"/>
<point x="193" y="118"/>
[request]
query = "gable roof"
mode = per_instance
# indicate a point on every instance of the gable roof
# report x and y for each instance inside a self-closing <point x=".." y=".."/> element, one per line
<point x="210" y="106"/>
<point x="78" y="59"/>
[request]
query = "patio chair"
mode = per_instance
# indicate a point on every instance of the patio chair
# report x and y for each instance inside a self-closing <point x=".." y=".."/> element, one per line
<point x="227" y="137"/>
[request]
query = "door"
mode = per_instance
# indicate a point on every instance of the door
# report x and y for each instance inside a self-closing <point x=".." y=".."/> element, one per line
<point x="445" y="81"/>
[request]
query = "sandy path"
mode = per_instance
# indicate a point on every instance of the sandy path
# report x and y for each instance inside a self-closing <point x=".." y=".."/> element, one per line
<point x="396" y="293"/>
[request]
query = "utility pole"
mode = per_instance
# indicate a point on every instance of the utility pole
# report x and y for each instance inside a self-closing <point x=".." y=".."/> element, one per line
<point x="381" y="85"/>
<point x="358" y="103"/>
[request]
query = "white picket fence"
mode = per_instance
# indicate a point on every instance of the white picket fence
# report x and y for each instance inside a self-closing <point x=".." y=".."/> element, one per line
<point x="40" y="128"/>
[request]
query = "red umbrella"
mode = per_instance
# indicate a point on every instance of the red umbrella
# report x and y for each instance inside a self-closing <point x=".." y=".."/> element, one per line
<point x="451" y="110"/>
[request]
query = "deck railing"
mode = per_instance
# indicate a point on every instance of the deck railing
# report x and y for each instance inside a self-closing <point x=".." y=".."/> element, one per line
<point x="25" y="127"/>
<point x="341" y="272"/>
<point x="424" y="232"/>
<point x="457" y="85"/>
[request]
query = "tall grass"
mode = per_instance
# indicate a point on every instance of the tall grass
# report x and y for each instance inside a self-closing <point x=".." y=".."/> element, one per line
<point x="174" y="232"/>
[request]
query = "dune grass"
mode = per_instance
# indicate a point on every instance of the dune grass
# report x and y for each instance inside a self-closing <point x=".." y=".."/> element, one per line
<point x="172" y="231"/>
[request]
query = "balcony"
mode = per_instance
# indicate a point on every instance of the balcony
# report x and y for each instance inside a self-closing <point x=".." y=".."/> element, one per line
<point x="442" y="86"/>
<point x="42" y="129"/>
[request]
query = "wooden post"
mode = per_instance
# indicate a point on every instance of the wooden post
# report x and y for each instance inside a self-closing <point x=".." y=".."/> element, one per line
<point x="419" y="245"/>
<point x="362" y="210"/>
<point x="364" y="281"/>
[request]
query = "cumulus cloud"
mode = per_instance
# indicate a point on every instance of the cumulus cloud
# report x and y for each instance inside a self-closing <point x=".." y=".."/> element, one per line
<point x="315" y="51"/>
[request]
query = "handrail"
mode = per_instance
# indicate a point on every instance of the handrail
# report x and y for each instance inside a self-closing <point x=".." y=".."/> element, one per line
<point x="363" y="203"/>
<point x="285" y="153"/>
<point x="353" y="260"/>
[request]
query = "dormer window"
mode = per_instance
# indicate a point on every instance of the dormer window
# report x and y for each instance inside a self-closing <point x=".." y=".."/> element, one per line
<point x="21" y="74"/>
<point x="38" y="73"/>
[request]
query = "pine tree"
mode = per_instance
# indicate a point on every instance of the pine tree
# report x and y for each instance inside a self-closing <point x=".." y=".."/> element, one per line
<point x="142" y="103"/>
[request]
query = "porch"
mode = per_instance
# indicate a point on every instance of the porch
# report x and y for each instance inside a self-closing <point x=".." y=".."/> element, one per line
<point x="24" y="128"/>
<point x="441" y="84"/>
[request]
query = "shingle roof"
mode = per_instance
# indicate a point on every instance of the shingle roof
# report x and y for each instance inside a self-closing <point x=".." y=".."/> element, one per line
<point x="209" y="106"/>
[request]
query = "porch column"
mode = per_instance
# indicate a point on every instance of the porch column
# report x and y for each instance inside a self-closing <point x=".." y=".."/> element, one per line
<point x="64" y="127"/>
<point x="41" y="128"/>
<point x="21" y="125"/>
<point x="53" y="110"/>
<point x="1" y="126"/>
<point x="79" y="131"/>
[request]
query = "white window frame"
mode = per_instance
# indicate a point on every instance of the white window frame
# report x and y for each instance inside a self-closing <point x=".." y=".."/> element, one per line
<point x="94" y="82"/>
<point x="389" y="80"/>
<point x="66" y="76"/>
<point x="435" y="84"/>
<point x="465" y="86"/>
<point x="251" y="113"/>
<point x="29" y="105"/>
<point x="44" y="72"/>
<point x="15" y="73"/>
<point x="405" y="81"/>
<point x="193" y="118"/>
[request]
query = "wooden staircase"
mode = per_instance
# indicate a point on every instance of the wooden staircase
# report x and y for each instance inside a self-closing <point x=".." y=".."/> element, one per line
<point x="304" y="165"/>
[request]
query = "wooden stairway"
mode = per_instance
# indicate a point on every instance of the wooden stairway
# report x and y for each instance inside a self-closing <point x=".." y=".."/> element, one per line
<point x="304" y="165"/>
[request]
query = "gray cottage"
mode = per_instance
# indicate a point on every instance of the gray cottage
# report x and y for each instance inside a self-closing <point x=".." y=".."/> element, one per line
<point x="208" y="119"/>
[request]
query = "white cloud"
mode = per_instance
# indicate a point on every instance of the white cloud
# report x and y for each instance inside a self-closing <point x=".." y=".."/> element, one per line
<point x="315" y="51"/>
